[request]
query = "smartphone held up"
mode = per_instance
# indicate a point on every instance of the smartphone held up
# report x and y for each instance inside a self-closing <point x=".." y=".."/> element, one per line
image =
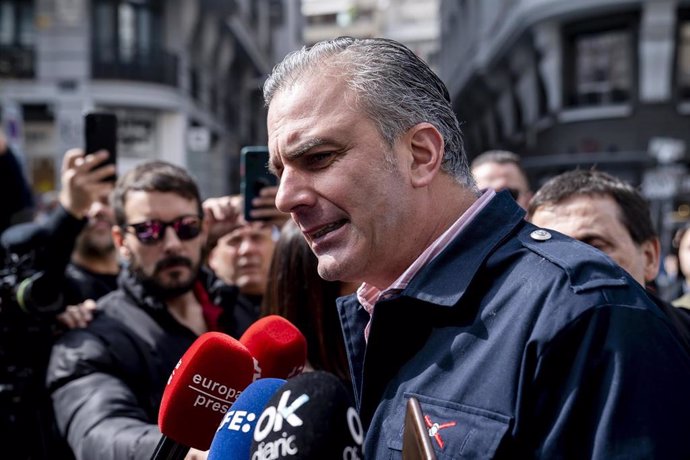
<point x="100" y="133"/>
<point x="254" y="175"/>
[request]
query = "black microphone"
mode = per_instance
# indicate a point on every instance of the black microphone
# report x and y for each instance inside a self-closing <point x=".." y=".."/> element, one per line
<point x="310" y="417"/>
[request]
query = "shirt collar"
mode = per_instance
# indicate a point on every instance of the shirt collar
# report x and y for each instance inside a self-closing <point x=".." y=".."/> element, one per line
<point x="368" y="295"/>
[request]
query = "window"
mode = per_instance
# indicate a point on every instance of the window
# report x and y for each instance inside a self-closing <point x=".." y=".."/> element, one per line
<point x="104" y="33"/>
<point x="17" y="37"/>
<point x="603" y="68"/>
<point x="127" y="31"/>
<point x="128" y="41"/>
<point x="17" y="23"/>
<point x="321" y="19"/>
<point x="599" y="63"/>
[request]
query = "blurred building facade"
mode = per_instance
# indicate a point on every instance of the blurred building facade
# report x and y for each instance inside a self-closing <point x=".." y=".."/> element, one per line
<point x="602" y="83"/>
<point x="412" y="22"/>
<point x="183" y="76"/>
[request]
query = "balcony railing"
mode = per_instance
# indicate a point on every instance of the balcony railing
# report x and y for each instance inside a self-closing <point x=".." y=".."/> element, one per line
<point x="16" y="61"/>
<point x="158" y="67"/>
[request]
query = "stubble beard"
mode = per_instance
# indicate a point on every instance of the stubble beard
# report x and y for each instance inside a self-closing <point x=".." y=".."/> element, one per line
<point x="155" y="286"/>
<point x="90" y="249"/>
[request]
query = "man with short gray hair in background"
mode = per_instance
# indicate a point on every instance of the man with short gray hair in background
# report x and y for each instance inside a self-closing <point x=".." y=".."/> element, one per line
<point x="500" y="169"/>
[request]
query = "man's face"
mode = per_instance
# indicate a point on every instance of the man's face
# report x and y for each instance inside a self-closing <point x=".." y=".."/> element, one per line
<point x="596" y="220"/>
<point x="169" y="266"/>
<point x="341" y="182"/>
<point x="243" y="257"/>
<point x="96" y="239"/>
<point x="499" y="176"/>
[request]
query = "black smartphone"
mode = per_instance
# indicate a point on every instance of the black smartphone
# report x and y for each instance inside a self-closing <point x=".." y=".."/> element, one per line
<point x="254" y="175"/>
<point x="100" y="133"/>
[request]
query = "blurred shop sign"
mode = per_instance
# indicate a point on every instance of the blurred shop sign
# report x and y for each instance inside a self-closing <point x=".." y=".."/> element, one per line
<point x="136" y="136"/>
<point x="70" y="12"/>
<point x="198" y="139"/>
<point x="666" y="149"/>
<point x="685" y="185"/>
<point x="663" y="182"/>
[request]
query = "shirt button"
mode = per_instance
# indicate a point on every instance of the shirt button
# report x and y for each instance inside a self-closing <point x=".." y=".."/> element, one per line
<point x="540" y="235"/>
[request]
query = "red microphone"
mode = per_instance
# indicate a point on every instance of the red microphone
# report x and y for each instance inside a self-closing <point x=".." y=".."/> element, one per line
<point x="205" y="383"/>
<point x="278" y="347"/>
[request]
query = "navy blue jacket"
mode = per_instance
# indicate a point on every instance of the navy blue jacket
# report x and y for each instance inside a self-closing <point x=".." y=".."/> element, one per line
<point x="519" y="347"/>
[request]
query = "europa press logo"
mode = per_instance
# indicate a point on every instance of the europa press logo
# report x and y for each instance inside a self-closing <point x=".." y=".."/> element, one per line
<point x="211" y="394"/>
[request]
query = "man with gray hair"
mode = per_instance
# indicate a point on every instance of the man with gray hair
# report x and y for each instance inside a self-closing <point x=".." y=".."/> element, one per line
<point x="517" y="342"/>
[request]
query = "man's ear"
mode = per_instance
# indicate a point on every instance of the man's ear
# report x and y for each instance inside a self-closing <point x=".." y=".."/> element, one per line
<point x="651" y="250"/>
<point x="119" y="240"/>
<point x="427" y="147"/>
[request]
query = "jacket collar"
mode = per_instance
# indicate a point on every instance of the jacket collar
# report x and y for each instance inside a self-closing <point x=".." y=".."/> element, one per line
<point x="442" y="282"/>
<point x="446" y="278"/>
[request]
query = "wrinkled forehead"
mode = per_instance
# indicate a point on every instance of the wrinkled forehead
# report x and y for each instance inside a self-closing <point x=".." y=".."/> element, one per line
<point x="495" y="174"/>
<point x="306" y="112"/>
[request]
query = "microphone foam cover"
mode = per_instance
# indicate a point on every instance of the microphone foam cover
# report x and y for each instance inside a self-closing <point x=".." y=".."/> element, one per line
<point x="310" y="417"/>
<point x="278" y="346"/>
<point x="234" y="436"/>
<point x="202" y="387"/>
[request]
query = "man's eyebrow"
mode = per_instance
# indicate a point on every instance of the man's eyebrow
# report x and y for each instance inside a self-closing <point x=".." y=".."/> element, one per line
<point x="297" y="152"/>
<point x="305" y="147"/>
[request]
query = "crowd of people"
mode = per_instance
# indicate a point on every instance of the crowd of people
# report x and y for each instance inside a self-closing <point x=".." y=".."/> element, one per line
<point x="527" y="324"/>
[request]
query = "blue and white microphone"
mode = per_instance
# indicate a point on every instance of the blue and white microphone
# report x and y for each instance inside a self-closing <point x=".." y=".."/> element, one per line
<point x="234" y="436"/>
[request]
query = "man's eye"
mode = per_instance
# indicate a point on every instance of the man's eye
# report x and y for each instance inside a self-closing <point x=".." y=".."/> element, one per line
<point x="317" y="159"/>
<point x="274" y="169"/>
<point x="599" y="244"/>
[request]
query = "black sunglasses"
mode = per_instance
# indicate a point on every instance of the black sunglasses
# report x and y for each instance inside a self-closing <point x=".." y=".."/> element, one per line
<point x="153" y="231"/>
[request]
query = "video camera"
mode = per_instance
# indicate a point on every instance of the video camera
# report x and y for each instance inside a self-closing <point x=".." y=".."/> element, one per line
<point x="30" y="299"/>
<point x="23" y="287"/>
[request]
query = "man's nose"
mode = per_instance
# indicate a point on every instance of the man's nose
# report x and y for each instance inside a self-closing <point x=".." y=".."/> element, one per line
<point x="246" y="246"/>
<point x="171" y="241"/>
<point x="294" y="190"/>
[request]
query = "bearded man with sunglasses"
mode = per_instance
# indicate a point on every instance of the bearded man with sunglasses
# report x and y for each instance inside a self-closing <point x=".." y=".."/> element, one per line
<point x="107" y="380"/>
